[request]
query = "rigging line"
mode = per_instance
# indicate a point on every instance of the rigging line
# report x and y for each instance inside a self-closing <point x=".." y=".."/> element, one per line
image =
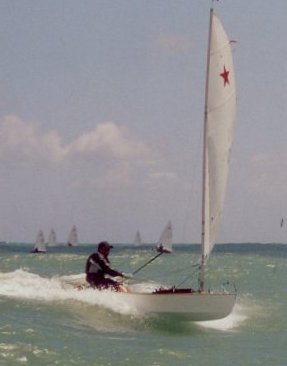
<point x="148" y="262"/>
<point x="186" y="278"/>
<point x="123" y="261"/>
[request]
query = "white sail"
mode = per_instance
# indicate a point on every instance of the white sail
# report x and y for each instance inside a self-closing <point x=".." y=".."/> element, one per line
<point x="73" y="237"/>
<point x="52" y="241"/>
<point x="138" y="239"/>
<point x="40" y="246"/>
<point x="220" y="108"/>
<point x="165" y="240"/>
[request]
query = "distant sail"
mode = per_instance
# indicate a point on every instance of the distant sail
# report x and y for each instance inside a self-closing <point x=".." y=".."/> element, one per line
<point x="165" y="240"/>
<point x="52" y="241"/>
<point x="40" y="246"/>
<point x="138" y="239"/>
<point x="282" y="222"/>
<point x="73" y="237"/>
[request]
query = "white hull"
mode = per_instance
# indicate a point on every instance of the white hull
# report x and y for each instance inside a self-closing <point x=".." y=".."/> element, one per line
<point x="183" y="304"/>
<point x="188" y="306"/>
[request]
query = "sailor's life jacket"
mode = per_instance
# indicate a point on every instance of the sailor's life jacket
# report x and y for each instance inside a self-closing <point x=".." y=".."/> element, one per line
<point x="98" y="266"/>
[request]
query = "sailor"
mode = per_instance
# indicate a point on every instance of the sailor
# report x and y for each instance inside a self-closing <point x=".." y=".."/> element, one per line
<point x="98" y="266"/>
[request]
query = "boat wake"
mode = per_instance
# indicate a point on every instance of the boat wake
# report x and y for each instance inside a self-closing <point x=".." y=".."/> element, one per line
<point x="22" y="284"/>
<point x="231" y="323"/>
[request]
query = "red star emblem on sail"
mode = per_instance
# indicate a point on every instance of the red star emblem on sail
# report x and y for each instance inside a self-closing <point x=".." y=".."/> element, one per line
<point x="225" y="76"/>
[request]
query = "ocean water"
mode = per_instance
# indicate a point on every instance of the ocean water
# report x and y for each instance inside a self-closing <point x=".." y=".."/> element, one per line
<point x="45" y="322"/>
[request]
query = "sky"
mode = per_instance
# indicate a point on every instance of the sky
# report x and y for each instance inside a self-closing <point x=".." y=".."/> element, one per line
<point x="101" y="116"/>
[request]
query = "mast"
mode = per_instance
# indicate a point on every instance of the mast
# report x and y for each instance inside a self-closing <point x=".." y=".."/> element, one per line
<point x="205" y="213"/>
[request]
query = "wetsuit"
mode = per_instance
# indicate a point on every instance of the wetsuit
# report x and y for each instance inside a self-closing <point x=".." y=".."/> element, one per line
<point x="97" y="266"/>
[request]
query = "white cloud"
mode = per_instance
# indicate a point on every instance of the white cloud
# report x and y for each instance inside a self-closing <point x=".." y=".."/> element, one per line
<point x="107" y="139"/>
<point x="22" y="143"/>
<point x="120" y="161"/>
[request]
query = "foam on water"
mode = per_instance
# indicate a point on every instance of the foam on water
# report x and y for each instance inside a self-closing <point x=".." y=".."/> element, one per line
<point x="25" y="285"/>
<point x="230" y="323"/>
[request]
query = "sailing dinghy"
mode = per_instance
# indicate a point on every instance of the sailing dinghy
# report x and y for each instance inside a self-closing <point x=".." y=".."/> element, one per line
<point x="165" y="241"/>
<point x="52" y="241"/>
<point x="138" y="239"/>
<point x="164" y="245"/>
<point x="73" y="237"/>
<point x="219" y="117"/>
<point x="39" y="246"/>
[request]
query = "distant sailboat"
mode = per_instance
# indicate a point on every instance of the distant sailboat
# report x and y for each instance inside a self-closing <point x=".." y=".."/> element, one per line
<point x="164" y="245"/>
<point x="73" y="237"/>
<point x="40" y="246"/>
<point x="138" y="239"/>
<point x="165" y="241"/>
<point x="52" y="241"/>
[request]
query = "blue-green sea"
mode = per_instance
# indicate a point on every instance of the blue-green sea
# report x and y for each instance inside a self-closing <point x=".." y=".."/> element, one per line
<point x="44" y="322"/>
